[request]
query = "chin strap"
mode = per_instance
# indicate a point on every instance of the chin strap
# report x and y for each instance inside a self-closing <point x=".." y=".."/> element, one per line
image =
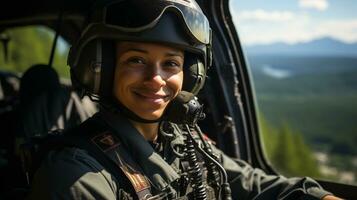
<point x="115" y="106"/>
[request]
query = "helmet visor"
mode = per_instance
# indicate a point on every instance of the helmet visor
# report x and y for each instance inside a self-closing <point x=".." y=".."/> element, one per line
<point x="138" y="15"/>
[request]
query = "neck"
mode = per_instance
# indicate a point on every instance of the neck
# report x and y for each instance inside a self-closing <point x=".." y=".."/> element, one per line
<point x="148" y="130"/>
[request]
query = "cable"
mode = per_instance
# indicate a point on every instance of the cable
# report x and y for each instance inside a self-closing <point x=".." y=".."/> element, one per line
<point x="195" y="172"/>
<point x="226" y="192"/>
<point x="186" y="110"/>
<point x="212" y="169"/>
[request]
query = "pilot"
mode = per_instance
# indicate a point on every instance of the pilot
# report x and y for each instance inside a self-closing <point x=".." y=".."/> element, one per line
<point x="136" y="57"/>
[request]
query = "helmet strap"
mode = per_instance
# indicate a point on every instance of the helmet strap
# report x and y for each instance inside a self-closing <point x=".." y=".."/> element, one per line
<point x="115" y="106"/>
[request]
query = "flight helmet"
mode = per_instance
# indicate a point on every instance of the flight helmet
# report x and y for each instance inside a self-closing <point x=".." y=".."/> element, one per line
<point x="179" y="23"/>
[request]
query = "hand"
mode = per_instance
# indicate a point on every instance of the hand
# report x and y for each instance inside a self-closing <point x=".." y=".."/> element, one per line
<point x="330" y="197"/>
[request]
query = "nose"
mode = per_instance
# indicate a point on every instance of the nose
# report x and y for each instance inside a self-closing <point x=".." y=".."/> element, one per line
<point x="155" y="77"/>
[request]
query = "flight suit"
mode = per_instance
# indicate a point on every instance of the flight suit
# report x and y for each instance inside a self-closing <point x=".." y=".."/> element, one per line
<point x="71" y="173"/>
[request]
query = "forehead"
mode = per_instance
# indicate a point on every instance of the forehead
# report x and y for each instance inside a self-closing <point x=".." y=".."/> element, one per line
<point x="123" y="46"/>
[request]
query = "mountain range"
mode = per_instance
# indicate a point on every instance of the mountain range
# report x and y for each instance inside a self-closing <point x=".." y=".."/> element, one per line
<point x="320" y="47"/>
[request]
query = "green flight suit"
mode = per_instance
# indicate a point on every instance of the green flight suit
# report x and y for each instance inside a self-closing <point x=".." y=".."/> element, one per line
<point x="72" y="173"/>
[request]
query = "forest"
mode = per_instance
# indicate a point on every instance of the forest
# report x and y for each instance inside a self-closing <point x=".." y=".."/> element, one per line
<point x="308" y="102"/>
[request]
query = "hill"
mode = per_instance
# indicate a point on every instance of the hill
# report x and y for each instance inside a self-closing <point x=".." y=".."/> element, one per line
<point x="314" y="94"/>
<point x="320" y="47"/>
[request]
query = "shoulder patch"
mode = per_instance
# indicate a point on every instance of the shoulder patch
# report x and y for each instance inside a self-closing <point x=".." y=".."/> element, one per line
<point x="105" y="141"/>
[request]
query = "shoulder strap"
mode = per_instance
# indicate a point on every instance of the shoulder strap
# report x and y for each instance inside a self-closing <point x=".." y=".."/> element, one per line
<point x="95" y="137"/>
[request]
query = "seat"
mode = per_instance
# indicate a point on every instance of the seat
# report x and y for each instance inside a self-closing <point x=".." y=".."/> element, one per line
<point x="44" y="105"/>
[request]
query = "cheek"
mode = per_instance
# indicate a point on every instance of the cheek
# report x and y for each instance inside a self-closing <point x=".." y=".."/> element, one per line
<point x="176" y="82"/>
<point x="125" y="74"/>
<point x="121" y="77"/>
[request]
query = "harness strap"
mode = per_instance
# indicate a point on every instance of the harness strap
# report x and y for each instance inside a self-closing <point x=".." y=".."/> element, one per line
<point x="109" y="144"/>
<point x="92" y="136"/>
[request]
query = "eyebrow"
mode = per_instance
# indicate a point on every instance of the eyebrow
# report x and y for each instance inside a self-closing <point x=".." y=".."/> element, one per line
<point x="173" y="53"/>
<point x="135" y="49"/>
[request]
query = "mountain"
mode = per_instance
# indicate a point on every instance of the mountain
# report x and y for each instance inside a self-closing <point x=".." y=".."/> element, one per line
<point x="320" y="47"/>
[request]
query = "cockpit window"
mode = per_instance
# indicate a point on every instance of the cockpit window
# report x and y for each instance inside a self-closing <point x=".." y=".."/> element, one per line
<point x="26" y="46"/>
<point x="302" y="57"/>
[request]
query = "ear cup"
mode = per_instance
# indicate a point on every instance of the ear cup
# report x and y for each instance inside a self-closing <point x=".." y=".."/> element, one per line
<point x="194" y="74"/>
<point x="86" y="66"/>
<point x="92" y="69"/>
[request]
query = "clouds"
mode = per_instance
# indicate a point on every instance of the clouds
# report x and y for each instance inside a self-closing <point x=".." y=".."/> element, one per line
<point x="320" y="5"/>
<point x="345" y="30"/>
<point x="262" y="26"/>
<point x="269" y="30"/>
<point x="262" y="15"/>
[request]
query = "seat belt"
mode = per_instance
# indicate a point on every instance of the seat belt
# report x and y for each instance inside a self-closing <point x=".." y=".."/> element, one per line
<point x="110" y="145"/>
<point x="93" y="137"/>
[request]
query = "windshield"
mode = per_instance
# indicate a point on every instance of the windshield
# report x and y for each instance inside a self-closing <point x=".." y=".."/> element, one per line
<point x="302" y="58"/>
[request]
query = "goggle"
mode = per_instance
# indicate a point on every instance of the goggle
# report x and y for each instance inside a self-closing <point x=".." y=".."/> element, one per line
<point x="139" y="15"/>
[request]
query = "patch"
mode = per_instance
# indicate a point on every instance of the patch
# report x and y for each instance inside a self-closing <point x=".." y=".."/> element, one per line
<point x="136" y="178"/>
<point x="106" y="141"/>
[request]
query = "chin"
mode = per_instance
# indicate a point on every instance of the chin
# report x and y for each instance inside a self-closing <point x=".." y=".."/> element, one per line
<point x="151" y="116"/>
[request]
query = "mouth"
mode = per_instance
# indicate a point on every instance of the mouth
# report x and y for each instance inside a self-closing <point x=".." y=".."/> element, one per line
<point x="156" y="98"/>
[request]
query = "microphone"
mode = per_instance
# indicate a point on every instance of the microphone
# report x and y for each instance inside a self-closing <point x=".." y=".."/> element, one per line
<point x="185" y="109"/>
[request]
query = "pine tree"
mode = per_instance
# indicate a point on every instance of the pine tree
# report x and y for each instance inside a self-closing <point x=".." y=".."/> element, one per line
<point x="307" y="164"/>
<point x="283" y="157"/>
<point x="289" y="153"/>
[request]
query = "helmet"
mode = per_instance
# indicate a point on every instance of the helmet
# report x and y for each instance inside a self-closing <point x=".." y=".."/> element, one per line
<point x="180" y="23"/>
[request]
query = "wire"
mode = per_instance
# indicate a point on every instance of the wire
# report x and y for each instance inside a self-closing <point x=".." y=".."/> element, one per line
<point x="225" y="191"/>
<point x="195" y="172"/>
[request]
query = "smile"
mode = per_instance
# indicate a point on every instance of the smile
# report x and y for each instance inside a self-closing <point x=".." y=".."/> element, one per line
<point x="151" y="97"/>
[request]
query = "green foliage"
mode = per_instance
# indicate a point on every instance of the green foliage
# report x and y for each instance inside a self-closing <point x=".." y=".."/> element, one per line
<point x="284" y="158"/>
<point x="306" y="158"/>
<point x="318" y="99"/>
<point x="287" y="150"/>
<point x="32" y="45"/>
<point x="269" y="136"/>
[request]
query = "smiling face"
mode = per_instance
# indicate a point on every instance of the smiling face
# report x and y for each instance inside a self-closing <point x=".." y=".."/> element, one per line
<point x="147" y="77"/>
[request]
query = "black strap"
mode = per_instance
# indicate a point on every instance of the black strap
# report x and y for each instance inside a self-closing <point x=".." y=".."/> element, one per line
<point x="94" y="137"/>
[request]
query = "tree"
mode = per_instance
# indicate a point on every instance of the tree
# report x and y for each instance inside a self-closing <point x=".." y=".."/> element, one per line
<point x="283" y="156"/>
<point x="32" y="45"/>
<point x="286" y="149"/>
<point x="268" y="136"/>
<point x="306" y="164"/>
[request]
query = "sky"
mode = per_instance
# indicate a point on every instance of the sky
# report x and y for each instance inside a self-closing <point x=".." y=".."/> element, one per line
<point x="293" y="21"/>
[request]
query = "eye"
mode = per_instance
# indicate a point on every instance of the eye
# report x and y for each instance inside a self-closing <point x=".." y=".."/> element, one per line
<point x="172" y="63"/>
<point x="136" y="61"/>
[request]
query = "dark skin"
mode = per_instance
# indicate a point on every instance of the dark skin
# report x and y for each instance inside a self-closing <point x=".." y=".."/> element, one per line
<point x="147" y="77"/>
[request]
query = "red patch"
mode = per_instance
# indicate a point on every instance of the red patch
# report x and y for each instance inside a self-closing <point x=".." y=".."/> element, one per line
<point x="105" y="141"/>
<point x="138" y="181"/>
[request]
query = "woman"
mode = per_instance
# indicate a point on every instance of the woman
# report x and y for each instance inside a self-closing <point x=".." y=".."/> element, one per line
<point x="135" y="66"/>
